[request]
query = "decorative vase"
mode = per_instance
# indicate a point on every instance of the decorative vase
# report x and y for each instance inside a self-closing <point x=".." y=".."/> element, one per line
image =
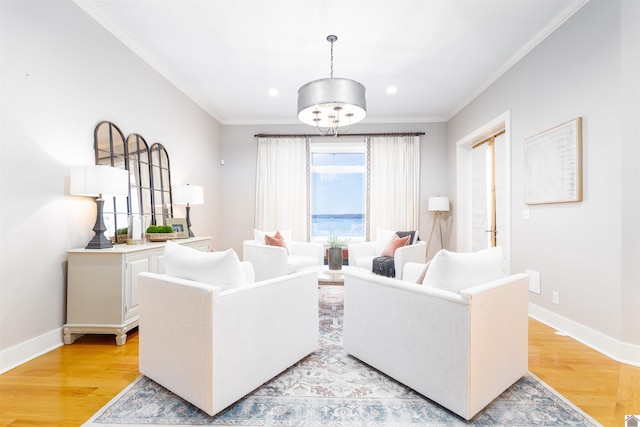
<point x="335" y="258"/>
<point x="135" y="233"/>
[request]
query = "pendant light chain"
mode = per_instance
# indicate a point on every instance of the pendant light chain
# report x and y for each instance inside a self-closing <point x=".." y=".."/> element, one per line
<point x="331" y="40"/>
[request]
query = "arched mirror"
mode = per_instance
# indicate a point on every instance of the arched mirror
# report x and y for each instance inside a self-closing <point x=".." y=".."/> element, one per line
<point x="149" y="177"/>
<point x="140" y="200"/>
<point x="161" y="183"/>
<point x="110" y="149"/>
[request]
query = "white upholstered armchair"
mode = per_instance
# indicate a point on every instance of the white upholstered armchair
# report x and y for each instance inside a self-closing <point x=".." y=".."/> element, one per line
<point x="211" y="335"/>
<point x="270" y="260"/>
<point x="361" y="254"/>
<point x="459" y="338"/>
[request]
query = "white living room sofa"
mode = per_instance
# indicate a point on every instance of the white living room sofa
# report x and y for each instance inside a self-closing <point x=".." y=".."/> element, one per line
<point x="212" y="344"/>
<point x="361" y="254"/>
<point x="459" y="338"/>
<point x="273" y="261"/>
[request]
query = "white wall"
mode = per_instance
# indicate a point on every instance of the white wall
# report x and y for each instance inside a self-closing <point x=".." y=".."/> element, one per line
<point x="588" y="252"/>
<point x="239" y="151"/>
<point x="62" y="73"/>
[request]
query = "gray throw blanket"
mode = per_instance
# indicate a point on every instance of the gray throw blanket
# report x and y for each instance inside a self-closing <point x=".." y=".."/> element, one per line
<point x="384" y="266"/>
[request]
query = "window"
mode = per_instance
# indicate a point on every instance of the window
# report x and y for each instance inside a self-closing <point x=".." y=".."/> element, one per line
<point x="338" y="190"/>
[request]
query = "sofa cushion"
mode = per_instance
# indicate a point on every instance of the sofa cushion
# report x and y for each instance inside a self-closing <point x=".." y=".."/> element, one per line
<point x="457" y="271"/>
<point x="296" y="262"/>
<point x="258" y="235"/>
<point x="276" y="240"/>
<point x="393" y="244"/>
<point x="220" y="268"/>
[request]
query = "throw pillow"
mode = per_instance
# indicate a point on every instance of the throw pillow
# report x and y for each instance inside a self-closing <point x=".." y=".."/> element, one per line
<point x="383" y="236"/>
<point x="395" y="243"/>
<point x="457" y="271"/>
<point x="220" y="268"/>
<point x="258" y="235"/>
<point x="413" y="236"/>
<point x="276" y="240"/>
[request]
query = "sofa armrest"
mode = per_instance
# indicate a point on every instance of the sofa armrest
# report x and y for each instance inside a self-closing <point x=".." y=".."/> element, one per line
<point x="310" y="249"/>
<point x="248" y="271"/>
<point x="409" y="253"/>
<point x="176" y="334"/>
<point x="360" y="249"/>
<point x="413" y="270"/>
<point x="268" y="261"/>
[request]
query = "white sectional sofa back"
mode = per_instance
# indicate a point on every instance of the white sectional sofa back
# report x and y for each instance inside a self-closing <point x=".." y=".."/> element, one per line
<point x="460" y="350"/>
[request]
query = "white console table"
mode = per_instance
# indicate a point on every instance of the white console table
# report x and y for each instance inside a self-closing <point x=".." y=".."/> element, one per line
<point x="102" y="286"/>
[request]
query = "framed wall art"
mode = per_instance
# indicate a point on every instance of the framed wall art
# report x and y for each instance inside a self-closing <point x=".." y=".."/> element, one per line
<point x="179" y="226"/>
<point x="553" y="164"/>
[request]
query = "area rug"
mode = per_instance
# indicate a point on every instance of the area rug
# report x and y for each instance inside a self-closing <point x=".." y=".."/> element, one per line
<point x="331" y="388"/>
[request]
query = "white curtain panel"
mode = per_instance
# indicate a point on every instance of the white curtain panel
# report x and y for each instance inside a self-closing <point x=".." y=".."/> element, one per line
<point x="281" y="186"/>
<point x="394" y="183"/>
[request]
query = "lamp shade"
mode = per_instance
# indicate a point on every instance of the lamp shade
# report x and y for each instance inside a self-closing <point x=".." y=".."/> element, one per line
<point x="320" y="102"/>
<point x="97" y="180"/>
<point x="439" y="204"/>
<point x="187" y="195"/>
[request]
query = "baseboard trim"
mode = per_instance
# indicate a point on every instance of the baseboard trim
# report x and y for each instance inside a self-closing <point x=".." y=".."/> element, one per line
<point x="616" y="350"/>
<point x="28" y="350"/>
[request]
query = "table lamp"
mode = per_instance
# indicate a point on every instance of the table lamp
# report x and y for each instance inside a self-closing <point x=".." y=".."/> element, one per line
<point x="98" y="181"/>
<point x="437" y="205"/>
<point x="188" y="195"/>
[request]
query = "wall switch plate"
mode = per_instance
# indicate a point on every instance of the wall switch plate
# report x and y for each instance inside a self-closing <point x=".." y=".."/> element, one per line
<point x="534" y="281"/>
<point x="525" y="213"/>
<point x="556" y="297"/>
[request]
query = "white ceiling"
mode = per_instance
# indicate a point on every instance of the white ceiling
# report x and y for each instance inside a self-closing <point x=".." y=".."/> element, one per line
<point x="228" y="54"/>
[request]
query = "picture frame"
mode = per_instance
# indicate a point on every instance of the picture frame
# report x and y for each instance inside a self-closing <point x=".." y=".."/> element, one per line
<point x="179" y="226"/>
<point x="553" y="164"/>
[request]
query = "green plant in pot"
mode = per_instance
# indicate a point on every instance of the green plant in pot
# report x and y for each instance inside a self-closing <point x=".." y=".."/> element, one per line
<point x="122" y="235"/>
<point x="160" y="233"/>
<point x="335" y="250"/>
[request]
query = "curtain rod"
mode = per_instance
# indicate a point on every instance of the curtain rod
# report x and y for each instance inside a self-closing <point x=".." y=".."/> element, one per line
<point x="307" y="135"/>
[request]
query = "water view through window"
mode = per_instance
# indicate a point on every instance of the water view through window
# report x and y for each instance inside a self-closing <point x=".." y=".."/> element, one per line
<point x="338" y="181"/>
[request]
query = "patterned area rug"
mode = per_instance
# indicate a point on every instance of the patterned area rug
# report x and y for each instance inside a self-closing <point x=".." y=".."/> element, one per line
<point x="331" y="388"/>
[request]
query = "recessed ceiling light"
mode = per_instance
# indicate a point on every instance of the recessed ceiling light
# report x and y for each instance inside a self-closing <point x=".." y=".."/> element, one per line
<point x="273" y="92"/>
<point x="391" y="90"/>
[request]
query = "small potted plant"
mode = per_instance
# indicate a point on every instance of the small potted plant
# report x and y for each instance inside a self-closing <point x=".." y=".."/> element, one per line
<point x="335" y="250"/>
<point x="160" y="233"/>
<point x="123" y="234"/>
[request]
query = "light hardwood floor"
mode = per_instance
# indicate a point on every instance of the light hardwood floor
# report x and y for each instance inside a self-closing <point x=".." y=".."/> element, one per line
<point x="66" y="386"/>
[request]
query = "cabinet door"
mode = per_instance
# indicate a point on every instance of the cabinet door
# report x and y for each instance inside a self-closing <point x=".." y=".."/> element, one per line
<point x="134" y="264"/>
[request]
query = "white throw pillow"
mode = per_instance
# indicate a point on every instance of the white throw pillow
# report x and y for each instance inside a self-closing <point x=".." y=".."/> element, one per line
<point x="214" y="268"/>
<point x="454" y="271"/>
<point x="258" y="235"/>
<point x="383" y="237"/>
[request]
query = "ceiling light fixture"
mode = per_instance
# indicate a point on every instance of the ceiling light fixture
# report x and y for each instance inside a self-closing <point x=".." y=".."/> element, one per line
<point x="329" y="104"/>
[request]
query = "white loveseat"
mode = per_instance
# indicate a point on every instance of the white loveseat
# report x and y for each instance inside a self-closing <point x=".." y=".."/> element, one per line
<point x="361" y="254"/>
<point x="212" y="346"/>
<point x="458" y="347"/>
<point x="274" y="261"/>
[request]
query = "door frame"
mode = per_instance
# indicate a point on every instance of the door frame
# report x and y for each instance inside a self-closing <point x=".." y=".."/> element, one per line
<point x="464" y="180"/>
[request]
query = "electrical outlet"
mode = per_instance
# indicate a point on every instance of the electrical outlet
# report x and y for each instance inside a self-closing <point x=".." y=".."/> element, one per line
<point x="556" y="298"/>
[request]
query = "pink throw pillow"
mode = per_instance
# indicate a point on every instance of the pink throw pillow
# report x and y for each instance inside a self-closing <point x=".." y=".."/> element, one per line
<point x="276" y="240"/>
<point x="395" y="243"/>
